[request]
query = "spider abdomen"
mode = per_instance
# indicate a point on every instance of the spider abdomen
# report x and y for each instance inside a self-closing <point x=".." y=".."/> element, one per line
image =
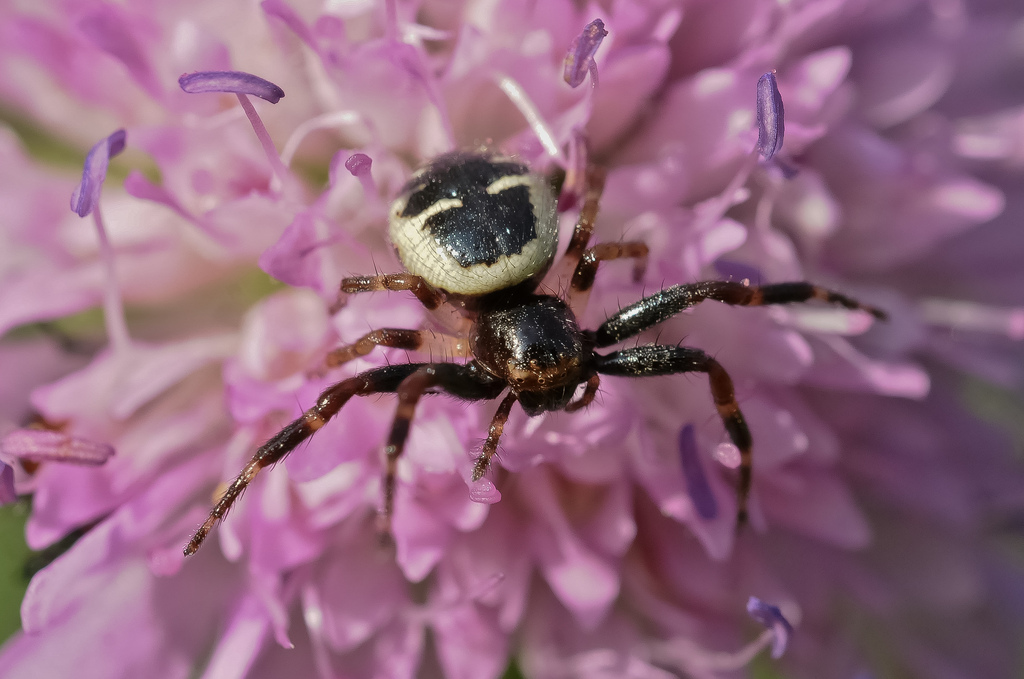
<point x="474" y="223"/>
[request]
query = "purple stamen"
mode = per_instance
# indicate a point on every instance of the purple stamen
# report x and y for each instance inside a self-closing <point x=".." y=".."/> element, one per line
<point x="772" y="618"/>
<point x="233" y="82"/>
<point x="359" y="165"/>
<point x="87" y="193"/>
<point x="42" y="445"/>
<point x="580" y="59"/>
<point x="242" y="84"/>
<point x="7" y="492"/>
<point x="693" y="472"/>
<point x="113" y="305"/>
<point x="264" y="137"/>
<point x="85" y="201"/>
<point x="771" y="116"/>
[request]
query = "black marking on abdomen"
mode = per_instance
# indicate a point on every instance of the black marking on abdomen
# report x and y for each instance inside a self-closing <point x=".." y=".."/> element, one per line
<point x="454" y="174"/>
<point x="487" y="227"/>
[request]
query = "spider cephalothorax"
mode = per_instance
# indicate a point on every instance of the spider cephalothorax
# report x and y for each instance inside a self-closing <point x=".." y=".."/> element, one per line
<point x="478" y="231"/>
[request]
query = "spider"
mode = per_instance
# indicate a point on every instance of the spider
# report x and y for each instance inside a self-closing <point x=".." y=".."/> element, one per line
<point x="478" y="231"/>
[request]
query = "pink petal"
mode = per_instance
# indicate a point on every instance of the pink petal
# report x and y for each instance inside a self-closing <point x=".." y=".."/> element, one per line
<point x="818" y="505"/>
<point x="240" y="643"/>
<point x="52" y="446"/>
<point x="113" y="31"/>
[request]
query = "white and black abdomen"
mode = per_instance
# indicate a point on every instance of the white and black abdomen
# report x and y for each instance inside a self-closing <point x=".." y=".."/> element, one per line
<point x="473" y="223"/>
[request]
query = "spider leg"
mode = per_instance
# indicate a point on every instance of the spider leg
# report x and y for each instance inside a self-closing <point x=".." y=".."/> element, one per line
<point x="399" y="338"/>
<point x="493" y="434"/>
<point x="428" y="295"/>
<point x="595" y="179"/>
<point x="656" y="359"/>
<point x="586" y="270"/>
<point x="584" y="229"/>
<point x="327" y="406"/>
<point x="466" y="381"/>
<point x="662" y="305"/>
<point x="588" y="395"/>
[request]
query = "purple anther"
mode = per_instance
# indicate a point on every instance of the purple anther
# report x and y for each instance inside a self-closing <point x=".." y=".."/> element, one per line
<point x="358" y="164"/>
<point x="42" y="445"/>
<point x="693" y="473"/>
<point x="242" y="85"/>
<point x="771" y="116"/>
<point x="772" y="618"/>
<point x="235" y="82"/>
<point x="87" y="193"/>
<point x="580" y="58"/>
<point x="7" y="492"/>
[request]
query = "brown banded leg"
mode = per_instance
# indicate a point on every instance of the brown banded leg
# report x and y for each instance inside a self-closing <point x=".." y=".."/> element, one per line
<point x="446" y="346"/>
<point x="586" y="270"/>
<point x="463" y="381"/>
<point x="662" y="305"/>
<point x="734" y="292"/>
<point x="427" y="294"/>
<point x="588" y="395"/>
<point x="493" y="434"/>
<point x="724" y="394"/>
<point x="656" y="359"/>
<point x="596" y="176"/>
<point x="327" y="406"/>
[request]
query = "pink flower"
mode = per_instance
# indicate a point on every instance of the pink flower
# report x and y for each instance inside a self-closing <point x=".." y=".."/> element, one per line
<point x="601" y="543"/>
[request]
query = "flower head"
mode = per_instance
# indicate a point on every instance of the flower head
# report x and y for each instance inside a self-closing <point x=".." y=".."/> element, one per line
<point x="602" y="542"/>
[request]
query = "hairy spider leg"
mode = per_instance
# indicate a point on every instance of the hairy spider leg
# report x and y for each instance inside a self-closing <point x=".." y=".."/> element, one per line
<point x="427" y="294"/>
<point x="594" y="187"/>
<point x="586" y="270"/>
<point x="447" y="346"/>
<point x="662" y="305"/>
<point x="584" y="228"/>
<point x="378" y="380"/>
<point x="655" y="359"/>
<point x="466" y="381"/>
<point x="493" y="434"/>
<point x="588" y="395"/>
<point x="653" y="309"/>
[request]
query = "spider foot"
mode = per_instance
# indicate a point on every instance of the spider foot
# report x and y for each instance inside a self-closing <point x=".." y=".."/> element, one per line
<point x="480" y="467"/>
